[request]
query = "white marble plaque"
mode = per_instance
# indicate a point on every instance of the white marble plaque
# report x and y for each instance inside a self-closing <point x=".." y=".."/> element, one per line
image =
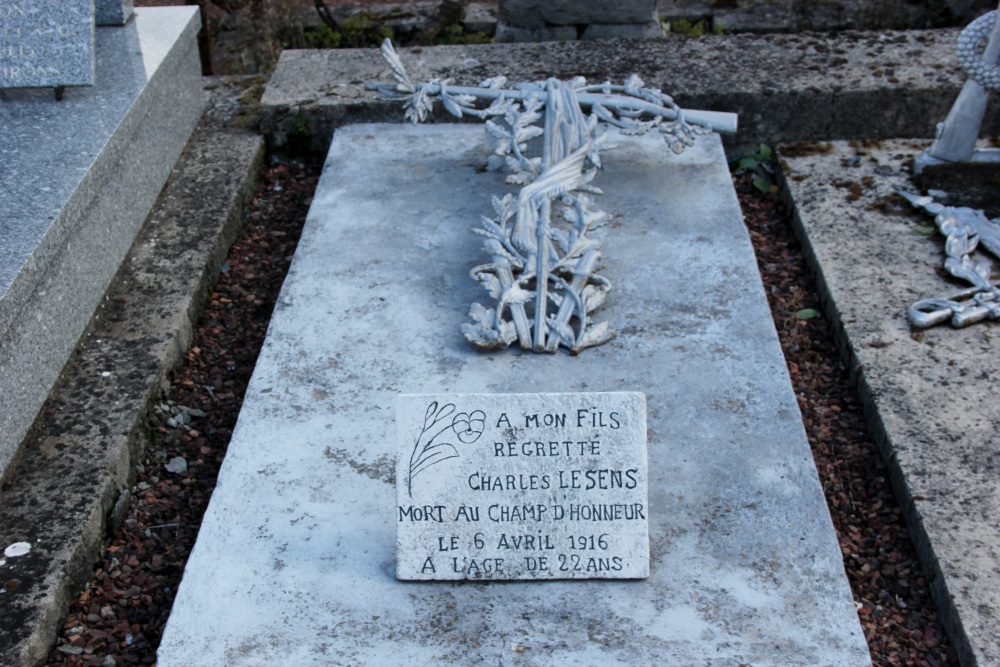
<point x="522" y="486"/>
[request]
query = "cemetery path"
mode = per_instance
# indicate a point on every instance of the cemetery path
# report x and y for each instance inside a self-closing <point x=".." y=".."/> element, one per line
<point x="119" y="617"/>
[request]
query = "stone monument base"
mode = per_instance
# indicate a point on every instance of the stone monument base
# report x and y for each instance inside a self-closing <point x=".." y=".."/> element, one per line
<point x="295" y="560"/>
<point x="79" y="177"/>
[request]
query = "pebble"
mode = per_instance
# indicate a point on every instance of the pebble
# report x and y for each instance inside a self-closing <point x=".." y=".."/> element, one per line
<point x="177" y="465"/>
<point x="17" y="549"/>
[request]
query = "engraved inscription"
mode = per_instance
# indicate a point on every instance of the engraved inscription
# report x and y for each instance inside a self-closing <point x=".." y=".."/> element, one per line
<point x="544" y="486"/>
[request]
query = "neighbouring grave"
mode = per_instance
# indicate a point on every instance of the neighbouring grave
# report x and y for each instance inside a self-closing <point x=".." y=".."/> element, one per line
<point x="522" y="486"/>
<point x="79" y="177"/>
<point x="46" y="43"/>
<point x="954" y="151"/>
<point x="296" y="558"/>
<point x="927" y="392"/>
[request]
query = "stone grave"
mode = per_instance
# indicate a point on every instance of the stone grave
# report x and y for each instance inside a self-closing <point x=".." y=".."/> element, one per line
<point x="955" y="140"/>
<point x="79" y="177"/>
<point x="296" y="558"/>
<point x="926" y="389"/>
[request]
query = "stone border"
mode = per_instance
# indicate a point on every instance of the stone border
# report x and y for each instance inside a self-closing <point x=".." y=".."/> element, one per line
<point x="853" y="85"/>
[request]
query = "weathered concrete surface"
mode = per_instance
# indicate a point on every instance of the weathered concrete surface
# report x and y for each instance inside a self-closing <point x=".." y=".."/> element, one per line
<point x="79" y="459"/>
<point x="79" y="178"/>
<point x="784" y="87"/>
<point x="930" y="395"/>
<point x="294" y="560"/>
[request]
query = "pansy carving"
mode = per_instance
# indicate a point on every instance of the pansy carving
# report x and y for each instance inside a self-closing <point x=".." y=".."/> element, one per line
<point x="468" y="427"/>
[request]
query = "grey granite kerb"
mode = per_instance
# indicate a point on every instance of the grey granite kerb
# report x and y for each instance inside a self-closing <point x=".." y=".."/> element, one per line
<point x="803" y="87"/>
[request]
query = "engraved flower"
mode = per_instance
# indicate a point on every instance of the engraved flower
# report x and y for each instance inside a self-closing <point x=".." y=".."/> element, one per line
<point x="468" y="427"/>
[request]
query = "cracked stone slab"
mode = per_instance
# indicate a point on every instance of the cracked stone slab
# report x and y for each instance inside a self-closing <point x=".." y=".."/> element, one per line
<point x="295" y="560"/>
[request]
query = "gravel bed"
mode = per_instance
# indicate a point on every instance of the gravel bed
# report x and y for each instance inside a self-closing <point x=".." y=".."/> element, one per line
<point x="119" y="618"/>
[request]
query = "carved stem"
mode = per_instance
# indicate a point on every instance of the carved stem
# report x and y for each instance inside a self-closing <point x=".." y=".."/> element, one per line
<point x="542" y="275"/>
<point x="581" y="274"/>
<point x="516" y="310"/>
<point x="721" y="122"/>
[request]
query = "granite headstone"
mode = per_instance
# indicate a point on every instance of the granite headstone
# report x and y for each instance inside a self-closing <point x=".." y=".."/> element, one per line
<point x="522" y="486"/>
<point x="112" y="12"/>
<point x="46" y="43"/>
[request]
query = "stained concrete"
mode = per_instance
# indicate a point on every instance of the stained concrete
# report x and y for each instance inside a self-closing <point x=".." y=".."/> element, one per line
<point x="929" y="395"/>
<point x="784" y="87"/>
<point x="294" y="562"/>
<point x="79" y="178"/>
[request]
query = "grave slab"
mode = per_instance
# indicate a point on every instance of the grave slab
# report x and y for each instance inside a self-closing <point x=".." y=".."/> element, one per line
<point x="295" y="560"/>
<point x="71" y="476"/>
<point x="78" y="179"/>
<point x="928" y="394"/>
